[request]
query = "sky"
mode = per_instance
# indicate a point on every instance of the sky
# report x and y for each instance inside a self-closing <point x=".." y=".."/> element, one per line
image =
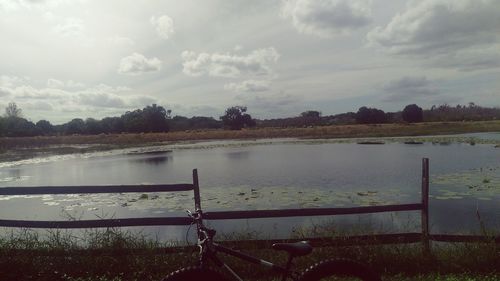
<point x="65" y="59"/>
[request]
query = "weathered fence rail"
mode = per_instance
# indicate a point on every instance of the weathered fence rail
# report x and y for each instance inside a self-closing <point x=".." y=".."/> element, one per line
<point x="424" y="236"/>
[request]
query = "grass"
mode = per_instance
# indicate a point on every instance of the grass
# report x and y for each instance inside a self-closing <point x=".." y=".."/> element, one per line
<point x="115" y="255"/>
<point x="338" y="131"/>
<point x="12" y="149"/>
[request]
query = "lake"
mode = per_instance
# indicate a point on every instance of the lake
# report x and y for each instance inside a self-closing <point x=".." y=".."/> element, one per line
<point x="274" y="174"/>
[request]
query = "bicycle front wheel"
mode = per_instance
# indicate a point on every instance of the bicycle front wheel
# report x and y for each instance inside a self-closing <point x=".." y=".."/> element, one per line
<point x="339" y="270"/>
<point x="194" y="273"/>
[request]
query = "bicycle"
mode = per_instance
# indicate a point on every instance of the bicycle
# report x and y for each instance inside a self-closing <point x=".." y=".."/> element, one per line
<point x="324" y="270"/>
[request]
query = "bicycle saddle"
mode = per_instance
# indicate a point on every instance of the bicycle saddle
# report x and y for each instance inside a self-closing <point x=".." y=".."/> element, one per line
<point x="301" y="248"/>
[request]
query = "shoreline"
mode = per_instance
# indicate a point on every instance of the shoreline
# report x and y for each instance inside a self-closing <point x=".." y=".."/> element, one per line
<point x="21" y="148"/>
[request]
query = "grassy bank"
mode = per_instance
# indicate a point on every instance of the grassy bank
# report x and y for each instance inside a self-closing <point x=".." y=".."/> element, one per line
<point x="115" y="255"/>
<point x="340" y="131"/>
<point x="21" y="148"/>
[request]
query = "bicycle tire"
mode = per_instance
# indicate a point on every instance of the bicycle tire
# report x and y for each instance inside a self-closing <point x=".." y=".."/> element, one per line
<point x="341" y="268"/>
<point x="195" y="273"/>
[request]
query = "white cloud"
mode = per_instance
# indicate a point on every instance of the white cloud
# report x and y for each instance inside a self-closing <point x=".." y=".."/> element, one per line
<point x="326" y="18"/>
<point x="58" y="84"/>
<point x="54" y="83"/>
<point x="409" y="88"/>
<point x="73" y="84"/>
<point x="444" y="30"/>
<point x="249" y="86"/>
<point x="11" y="81"/>
<point x="164" y="26"/>
<point x="137" y="64"/>
<point x="258" y="62"/>
<point x="72" y="27"/>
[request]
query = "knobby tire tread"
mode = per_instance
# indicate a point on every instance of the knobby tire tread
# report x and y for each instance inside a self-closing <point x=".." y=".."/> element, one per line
<point x="192" y="273"/>
<point x="338" y="267"/>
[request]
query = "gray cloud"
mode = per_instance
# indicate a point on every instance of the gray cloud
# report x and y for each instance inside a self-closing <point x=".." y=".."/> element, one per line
<point x="258" y="62"/>
<point x="140" y="101"/>
<point x="67" y="99"/>
<point x="409" y="88"/>
<point x="38" y="105"/>
<point x="444" y="30"/>
<point x="33" y="93"/>
<point x="470" y="59"/>
<point x="137" y="64"/>
<point x="326" y="18"/>
<point x="58" y="84"/>
<point x="188" y="111"/>
<point x="101" y="100"/>
<point x="249" y="86"/>
<point x="270" y="106"/>
<point x="4" y="92"/>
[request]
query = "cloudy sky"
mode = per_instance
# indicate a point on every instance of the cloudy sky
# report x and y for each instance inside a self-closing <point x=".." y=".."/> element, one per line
<point x="63" y="59"/>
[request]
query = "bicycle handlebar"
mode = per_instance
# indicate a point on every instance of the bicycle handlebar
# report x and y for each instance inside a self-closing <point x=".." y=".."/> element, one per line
<point x="197" y="217"/>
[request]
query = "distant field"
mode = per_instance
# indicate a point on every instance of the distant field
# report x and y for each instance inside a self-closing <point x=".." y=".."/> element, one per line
<point x="338" y="131"/>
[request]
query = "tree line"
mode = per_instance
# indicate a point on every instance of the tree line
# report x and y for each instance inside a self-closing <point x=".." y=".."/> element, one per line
<point x="152" y="118"/>
<point x="155" y="118"/>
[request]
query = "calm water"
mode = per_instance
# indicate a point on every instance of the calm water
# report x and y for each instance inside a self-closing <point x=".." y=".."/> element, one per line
<point x="465" y="182"/>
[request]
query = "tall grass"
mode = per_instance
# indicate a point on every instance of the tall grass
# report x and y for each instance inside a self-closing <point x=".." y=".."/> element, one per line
<point x="337" y="131"/>
<point x="115" y="255"/>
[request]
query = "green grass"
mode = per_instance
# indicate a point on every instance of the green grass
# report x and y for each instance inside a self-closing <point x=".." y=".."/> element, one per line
<point x="114" y="255"/>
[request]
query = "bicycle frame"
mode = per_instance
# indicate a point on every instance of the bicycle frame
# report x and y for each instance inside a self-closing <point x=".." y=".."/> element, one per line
<point x="209" y="249"/>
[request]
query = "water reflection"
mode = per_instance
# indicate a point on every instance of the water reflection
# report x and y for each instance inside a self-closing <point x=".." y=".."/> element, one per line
<point x="157" y="160"/>
<point x="12" y="175"/>
<point x="152" y="158"/>
<point x="238" y="155"/>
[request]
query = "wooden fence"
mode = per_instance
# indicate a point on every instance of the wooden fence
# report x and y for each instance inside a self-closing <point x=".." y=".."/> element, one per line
<point x="423" y="206"/>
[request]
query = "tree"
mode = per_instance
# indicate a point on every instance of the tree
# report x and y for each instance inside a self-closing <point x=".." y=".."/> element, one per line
<point x="18" y="127"/>
<point x="236" y="118"/>
<point x="412" y="113"/>
<point x="367" y="115"/>
<point x="112" y="125"/>
<point x="75" y="126"/>
<point x="2" y="126"/>
<point x="311" y="117"/>
<point x="44" y="127"/>
<point x="133" y="121"/>
<point x="200" y="122"/>
<point x="156" y="118"/>
<point x="13" y="111"/>
<point x="93" y="126"/>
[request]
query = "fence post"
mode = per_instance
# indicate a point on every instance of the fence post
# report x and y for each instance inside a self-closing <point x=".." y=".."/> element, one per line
<point x="196" y="190"/>
<point x="425" y="206"/>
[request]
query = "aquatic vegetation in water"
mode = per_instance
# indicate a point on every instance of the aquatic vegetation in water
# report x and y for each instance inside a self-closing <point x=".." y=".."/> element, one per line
<point x="482" y="184"/>
<point x="223" y="198"/>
